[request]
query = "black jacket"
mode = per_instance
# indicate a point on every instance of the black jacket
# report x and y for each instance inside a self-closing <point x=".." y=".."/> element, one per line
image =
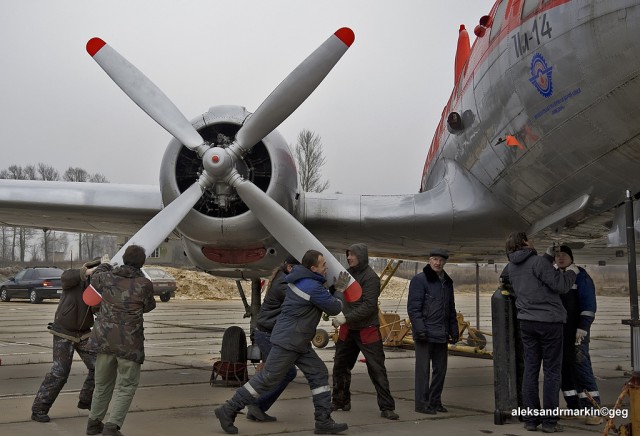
<point x="363" y="312"/>
<point x="272" y="304"/>
<point x="431" y="307"/>
<point x="73" y="317"/>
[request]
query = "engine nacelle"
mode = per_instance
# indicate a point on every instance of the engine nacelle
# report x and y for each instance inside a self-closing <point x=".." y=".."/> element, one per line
<point x="220" y="231"/>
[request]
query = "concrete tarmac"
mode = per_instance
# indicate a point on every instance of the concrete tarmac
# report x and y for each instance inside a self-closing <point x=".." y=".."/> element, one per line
<point x="183" y="339"/>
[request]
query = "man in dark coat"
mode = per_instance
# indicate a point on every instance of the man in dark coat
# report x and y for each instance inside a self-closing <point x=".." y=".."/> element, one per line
<point x="360" y="332"/>
<point x="538" y="287"/>
<point x="269" y="311"/>
<point x="71" y="328"/>
<point x="291" y="339"/>
<point x="118" y="336"/>
<point x="577" y="373"/>
<point x="432" y="310"/>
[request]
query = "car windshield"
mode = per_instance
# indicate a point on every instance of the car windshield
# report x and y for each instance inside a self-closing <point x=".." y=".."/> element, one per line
<point x="157" y="273"/>
<point x="48" y="272"/>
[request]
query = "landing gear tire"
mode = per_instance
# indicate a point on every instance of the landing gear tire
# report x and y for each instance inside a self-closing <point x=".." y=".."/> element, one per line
<point x="33" y="297"/>
<point x="321" y="339"/>
<point x="165" y="297"/>
<point x="479" y="341"/>
<point x="234" y="345"/>
<point x="4" y="296"/>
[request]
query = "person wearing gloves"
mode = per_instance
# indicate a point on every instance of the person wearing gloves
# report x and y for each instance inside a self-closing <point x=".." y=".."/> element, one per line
<point x="538" y="286"/>
<point x="118" y="337"/>
<point x="71" y="328"/>
<point x="577" y="373"/>
<point x="432" y="310"/>
<point x="291" y="337"/>
<point x="360" y="332"/>
<point x="269" y="312"/>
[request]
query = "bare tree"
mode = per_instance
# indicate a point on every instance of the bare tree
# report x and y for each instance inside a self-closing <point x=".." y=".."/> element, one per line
<point x="47" y="172"/>
<point x="310" y="159"/>
<point x="98" y="178"/>
<point x="13" y="172"/>
<point x="75" y="175"/>
<point x="30" y="172"/>
<point x="34" y="251"/>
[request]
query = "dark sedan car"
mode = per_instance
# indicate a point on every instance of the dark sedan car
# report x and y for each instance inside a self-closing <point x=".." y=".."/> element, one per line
<point x="34" y="283"/>
<point x="164" y="284"/>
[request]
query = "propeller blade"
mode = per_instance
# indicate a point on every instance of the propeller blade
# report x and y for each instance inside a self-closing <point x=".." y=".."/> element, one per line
<point x="144" y="92"/>
<point x="293" y="90"/>
<point x="160" y="226"/>
<point x="292" y="235"/>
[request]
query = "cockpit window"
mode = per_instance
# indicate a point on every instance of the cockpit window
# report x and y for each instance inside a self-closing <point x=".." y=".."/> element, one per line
<point x="498" y="19"/>
<point x="529" y="7"/>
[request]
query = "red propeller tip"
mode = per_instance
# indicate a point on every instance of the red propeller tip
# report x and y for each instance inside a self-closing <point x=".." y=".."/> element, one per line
<point x="94" y="45"/>
<point x="353" y="292"/>
<point x="346" y="35"/>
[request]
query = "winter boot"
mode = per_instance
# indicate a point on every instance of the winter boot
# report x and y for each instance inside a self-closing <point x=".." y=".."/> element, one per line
<point x="94" y="426"/>
<point x="254" y="413"/>
<point x="329" y="426"/>
<point x="84" y="405"/>
<point x="40" y="417"/>
<point x="111" y="429"/>
<point x="226" y="416"/>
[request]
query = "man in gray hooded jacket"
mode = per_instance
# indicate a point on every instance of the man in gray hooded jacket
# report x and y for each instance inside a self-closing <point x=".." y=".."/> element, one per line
<point x="360" y="332"/>
<point x="538" y="286"/>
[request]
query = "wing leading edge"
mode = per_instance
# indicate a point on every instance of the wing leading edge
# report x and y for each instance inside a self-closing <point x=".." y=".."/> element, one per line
<point x="459" y="213"/>
<point x="81" y="207"/>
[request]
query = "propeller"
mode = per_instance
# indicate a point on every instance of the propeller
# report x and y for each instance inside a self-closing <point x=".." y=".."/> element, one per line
<point x="290" y="233"/>
<point x="144" y="93"/>
<point x="219" y="162"/>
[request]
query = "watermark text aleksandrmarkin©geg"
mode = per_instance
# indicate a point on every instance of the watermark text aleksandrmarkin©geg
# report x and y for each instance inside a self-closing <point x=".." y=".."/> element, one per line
<point x="603" y="411"/>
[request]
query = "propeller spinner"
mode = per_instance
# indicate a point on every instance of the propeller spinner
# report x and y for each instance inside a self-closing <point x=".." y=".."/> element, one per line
<point x="219" y="162"/>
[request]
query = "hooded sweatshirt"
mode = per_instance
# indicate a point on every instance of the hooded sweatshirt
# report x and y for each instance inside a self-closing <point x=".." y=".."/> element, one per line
<point x="538" y="286"/>
<point x="363" y="312"/>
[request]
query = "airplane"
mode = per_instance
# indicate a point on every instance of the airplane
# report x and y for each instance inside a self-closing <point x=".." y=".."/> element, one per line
<point x="540" y="133"/>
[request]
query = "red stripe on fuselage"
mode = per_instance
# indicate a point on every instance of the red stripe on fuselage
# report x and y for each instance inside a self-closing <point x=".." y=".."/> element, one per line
<point x="479" y="53"/>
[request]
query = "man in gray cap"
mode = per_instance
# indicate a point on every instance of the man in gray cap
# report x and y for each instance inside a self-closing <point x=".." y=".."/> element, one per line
<point x="432" y="311"/>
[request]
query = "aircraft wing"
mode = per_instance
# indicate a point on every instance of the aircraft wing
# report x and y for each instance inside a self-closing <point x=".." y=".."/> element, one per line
<point x="79" y="207"/>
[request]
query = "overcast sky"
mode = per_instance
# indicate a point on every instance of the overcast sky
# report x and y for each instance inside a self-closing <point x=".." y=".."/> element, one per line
<point x="376" y="111"/>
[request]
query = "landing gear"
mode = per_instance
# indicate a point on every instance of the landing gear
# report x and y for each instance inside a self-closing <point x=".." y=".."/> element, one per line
<point x="234" y="345"/>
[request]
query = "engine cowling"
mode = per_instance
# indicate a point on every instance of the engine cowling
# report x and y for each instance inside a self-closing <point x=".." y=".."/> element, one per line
<point x="220" y="232"/>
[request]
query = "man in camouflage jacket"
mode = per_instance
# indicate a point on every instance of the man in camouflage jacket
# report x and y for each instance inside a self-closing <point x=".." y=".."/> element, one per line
<point x="70" y="328"/>
<point x="118" y="337"/>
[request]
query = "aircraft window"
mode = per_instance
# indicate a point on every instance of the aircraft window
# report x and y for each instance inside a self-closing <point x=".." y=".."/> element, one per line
<point x="498" y="19"/>
<point x="529" y="7"/>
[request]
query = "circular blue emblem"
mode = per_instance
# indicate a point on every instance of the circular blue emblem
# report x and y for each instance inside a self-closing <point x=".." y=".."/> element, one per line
<point x="541" y="75"/>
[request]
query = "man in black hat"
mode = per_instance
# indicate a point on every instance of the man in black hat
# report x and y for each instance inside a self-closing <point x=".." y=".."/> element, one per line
<point x="269" y="311"/>
<point x="432" y="310"/>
